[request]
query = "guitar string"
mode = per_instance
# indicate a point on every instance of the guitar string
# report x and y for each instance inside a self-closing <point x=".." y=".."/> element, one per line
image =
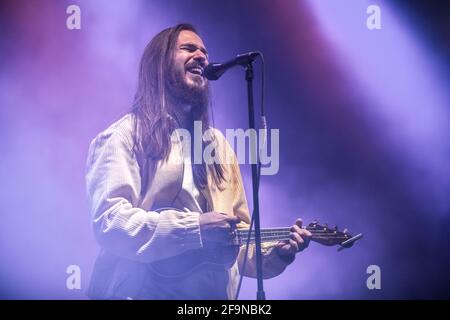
<point x="314" y="235"/>
<point x="266" y="233"/>
<point x="289" y="234"/>
<point x="288" y="230"/>
<point x="330" y="237"/>
<point x="286" y="237"/>
<point x="120" y="219"/>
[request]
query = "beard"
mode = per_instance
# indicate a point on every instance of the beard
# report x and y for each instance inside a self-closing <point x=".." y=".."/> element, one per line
<point x="195" y="95"/>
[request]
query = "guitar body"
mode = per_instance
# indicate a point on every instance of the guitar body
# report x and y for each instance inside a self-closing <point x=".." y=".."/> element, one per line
<point x="181" y="266"/>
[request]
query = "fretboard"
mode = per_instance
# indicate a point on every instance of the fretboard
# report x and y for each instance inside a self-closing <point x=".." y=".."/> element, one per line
<point x="282" y="234"/>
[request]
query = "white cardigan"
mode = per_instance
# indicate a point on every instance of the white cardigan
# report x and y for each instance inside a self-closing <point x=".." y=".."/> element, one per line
<point x="132" y="233"/>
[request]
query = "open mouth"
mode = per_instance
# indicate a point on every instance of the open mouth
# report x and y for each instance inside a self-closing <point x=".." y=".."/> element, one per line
<point x="196" y="70"/>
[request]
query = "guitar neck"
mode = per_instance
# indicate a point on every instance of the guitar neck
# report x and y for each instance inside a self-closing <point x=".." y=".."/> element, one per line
<point x="283" y="234"/>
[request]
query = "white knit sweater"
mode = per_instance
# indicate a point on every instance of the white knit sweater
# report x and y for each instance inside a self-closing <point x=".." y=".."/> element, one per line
<point x="132" y="232"/>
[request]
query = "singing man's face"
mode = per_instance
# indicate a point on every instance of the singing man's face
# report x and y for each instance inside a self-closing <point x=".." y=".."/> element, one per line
<point x="190" y="59"/>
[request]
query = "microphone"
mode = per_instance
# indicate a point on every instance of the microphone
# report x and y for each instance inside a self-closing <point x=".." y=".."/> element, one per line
<point x="214" y="71"/>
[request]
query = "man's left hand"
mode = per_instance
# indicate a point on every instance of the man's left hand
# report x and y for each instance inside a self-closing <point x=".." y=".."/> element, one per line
<point x="299" y="241"/>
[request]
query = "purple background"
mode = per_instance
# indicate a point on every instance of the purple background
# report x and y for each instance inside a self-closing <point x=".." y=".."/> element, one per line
<point x="364" y="133"/>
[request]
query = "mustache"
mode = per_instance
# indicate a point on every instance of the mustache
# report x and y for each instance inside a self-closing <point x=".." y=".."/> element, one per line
<point x="196" y="64"/>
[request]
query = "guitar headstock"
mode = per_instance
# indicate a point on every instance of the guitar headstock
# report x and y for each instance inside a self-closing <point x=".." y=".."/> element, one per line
<point x="328" y="236"/>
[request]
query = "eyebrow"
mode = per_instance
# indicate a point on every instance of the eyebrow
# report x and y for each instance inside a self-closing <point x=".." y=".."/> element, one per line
<point x="191" y="44"/>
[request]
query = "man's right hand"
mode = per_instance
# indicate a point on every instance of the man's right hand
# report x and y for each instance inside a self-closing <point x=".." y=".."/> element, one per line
<point x="216" y="228"/>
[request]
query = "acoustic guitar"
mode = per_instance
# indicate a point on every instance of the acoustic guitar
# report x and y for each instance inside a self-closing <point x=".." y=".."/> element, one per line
<point x="180" y="266"/>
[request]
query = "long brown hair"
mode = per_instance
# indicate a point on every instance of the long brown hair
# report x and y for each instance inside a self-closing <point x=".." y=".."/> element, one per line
<point x="154" y="120"/>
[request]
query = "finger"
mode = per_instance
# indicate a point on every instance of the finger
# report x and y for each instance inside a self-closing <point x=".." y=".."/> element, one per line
<point x="302" y="232"/>
<point x="294" y="246"/>
<point x="299" y="222"/>
<point x="296" y="228"/>
<point x="296" y="237"/>
<point x="305" y="234"/>
<point x="306" y="239"/>
<point x="281" y="243"/>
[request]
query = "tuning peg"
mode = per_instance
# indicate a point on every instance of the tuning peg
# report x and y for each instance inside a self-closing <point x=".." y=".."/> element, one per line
<point x="313" y="224"/>
<point x="345" y="230"/>
<point x="349" y="242"/>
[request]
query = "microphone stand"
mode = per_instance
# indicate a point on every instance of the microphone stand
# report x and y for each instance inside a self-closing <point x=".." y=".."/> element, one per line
<point x="260" y="294"/>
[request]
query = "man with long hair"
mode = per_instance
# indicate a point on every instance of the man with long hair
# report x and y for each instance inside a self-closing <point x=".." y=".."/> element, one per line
<point x="150" y="202"/>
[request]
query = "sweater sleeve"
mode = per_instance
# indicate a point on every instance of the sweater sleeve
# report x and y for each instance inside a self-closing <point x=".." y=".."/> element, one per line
<point x="113" y="187"/>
